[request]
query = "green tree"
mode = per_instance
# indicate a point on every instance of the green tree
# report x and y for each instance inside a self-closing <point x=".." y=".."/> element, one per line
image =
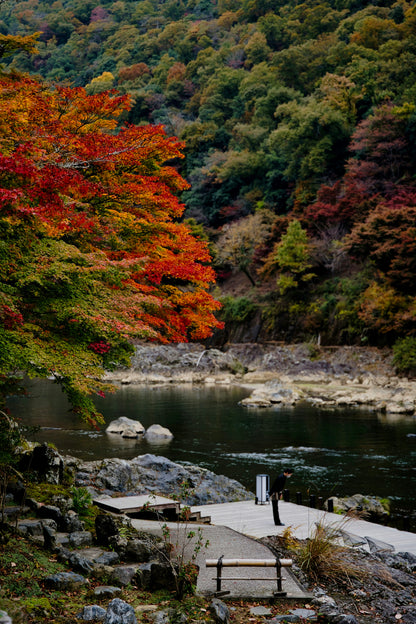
<point x="293" y="258"/>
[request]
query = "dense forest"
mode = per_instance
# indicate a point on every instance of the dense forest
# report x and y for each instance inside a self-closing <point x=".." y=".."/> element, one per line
<point x="298" y="123"/>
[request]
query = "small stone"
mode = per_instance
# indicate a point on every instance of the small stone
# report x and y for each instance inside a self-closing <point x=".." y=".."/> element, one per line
<point x="161" y="617"/>
<point x="358" y="593"/>
<point x="80" y="563"/>
<point x="65" y="581"/>
<point x="119" y="612"/>
<point x="321" y="600"/>
<point x="106" y="591"/>
<point x="260" y="610"/>
<point x="5" y="618"/>
<point x="344" y="618"/>
<point x="92" y="613"/>
<point x="108" y="558"/>
<point x="306" y="614"/>
<point x="123" y="575"/>
<point x="146" y="608"/>
<point x="219" y="611"/>
<point x="80" y="538"/>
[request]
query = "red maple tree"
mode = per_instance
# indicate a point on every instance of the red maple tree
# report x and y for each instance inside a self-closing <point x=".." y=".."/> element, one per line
<point x="93" y="251"/>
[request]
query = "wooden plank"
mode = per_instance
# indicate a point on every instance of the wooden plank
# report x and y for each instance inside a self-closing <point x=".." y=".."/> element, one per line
<point x="267" y="563"/>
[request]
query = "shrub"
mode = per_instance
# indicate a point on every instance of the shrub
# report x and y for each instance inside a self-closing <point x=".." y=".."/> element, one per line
<point x="404" y="355"/>
<point x="82" y="500"/>
<point x="237" y="309"/>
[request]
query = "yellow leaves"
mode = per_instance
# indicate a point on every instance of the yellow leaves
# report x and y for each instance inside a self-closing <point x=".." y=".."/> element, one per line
<point x="12" y="43"/>
<point x="385" y="310"/>
<point x="104" y="82"/>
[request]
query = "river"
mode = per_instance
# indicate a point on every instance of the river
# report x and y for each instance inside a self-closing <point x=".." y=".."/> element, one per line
<point x="333" y="452"/>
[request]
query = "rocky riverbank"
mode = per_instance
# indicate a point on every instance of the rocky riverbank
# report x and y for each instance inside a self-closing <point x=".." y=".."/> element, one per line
<point x="281" y="374"/>
<point x="144" y="474"/>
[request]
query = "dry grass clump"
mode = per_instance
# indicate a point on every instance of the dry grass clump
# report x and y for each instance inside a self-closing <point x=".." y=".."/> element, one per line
<point x="322" y="556"/>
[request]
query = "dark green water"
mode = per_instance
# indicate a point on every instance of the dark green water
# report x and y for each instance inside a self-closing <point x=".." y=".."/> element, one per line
<point x="333" y="452"/>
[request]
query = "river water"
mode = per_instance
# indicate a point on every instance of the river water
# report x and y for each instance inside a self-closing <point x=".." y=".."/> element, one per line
<point x="333" y="452"/>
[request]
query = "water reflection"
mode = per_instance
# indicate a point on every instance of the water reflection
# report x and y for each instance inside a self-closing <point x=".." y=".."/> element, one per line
<point x="333" y="452"/>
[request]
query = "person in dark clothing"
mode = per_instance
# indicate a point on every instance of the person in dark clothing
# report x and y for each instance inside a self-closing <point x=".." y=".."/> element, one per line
<point x="276" y="493"/>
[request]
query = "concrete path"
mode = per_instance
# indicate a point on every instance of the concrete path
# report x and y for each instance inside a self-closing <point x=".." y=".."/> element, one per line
<point x="225" y="541"/>
<point x="236" y="527"/>
<point x="257" y="521"/>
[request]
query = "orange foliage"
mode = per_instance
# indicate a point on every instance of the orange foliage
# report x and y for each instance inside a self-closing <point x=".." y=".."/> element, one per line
<point x="69" y="173"/>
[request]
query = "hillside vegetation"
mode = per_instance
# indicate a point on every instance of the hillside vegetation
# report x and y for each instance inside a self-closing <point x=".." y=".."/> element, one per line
<point x="298" y="122"/>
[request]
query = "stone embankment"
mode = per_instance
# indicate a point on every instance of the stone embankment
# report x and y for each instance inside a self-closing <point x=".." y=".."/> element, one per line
<point x="281" y="374"/>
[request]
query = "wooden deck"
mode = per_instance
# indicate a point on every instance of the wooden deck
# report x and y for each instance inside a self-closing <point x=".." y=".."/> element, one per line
<point x="257" y="521"/>
<point x="131" y="504"/>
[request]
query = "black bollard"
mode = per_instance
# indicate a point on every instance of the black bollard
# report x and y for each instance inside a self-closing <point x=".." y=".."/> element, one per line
<point x="286" y="496"/>
<point x="299" y="498"/>
<point x="330" y="505"/>
<point x="312" y="501"/>
<point x="320" y="502"/>
<point x="406" y="523"/>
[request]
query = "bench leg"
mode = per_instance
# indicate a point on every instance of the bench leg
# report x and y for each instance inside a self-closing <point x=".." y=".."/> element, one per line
<point x="279" y="591"/>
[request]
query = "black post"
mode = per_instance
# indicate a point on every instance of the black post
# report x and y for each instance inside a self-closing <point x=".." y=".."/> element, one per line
<point x="219" y="570"/>
<point x="312" y="500"/>
<point x="279" y="575"/>
<point x="286" y="496"/>
<point x="330" y="505"/>
<point x="299" y="498"/>
<point x="320" y="502"/>
<point x="406" y="523"/>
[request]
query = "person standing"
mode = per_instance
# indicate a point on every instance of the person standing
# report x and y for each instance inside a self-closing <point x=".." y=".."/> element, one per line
<point x="276" y="493"/>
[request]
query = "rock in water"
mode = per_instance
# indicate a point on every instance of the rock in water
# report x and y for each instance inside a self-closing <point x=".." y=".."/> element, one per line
<point x="157" y="433"/>
<point x="126" y="427"/>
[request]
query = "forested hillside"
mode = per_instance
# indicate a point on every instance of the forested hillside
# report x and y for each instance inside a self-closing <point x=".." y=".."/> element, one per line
<point x="298" y="120"/>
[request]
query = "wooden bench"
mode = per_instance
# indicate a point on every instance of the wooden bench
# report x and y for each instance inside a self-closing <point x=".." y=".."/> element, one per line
<point x="221" y="563"/>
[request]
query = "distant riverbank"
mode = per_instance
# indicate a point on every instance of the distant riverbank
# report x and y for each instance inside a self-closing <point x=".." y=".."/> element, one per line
<point x="280" y="374"/>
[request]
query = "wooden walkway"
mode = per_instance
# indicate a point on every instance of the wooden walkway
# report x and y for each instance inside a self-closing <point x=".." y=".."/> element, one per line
<point x="257" y="521"/>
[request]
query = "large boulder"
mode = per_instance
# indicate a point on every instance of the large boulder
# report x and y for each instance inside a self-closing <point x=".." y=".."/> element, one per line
<point x="44" y="462"/>
<point x="153" y="474"/>
<point x="157" y="433"/>
<point x="126" y="427"/>
<point x="108" y="526"/>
